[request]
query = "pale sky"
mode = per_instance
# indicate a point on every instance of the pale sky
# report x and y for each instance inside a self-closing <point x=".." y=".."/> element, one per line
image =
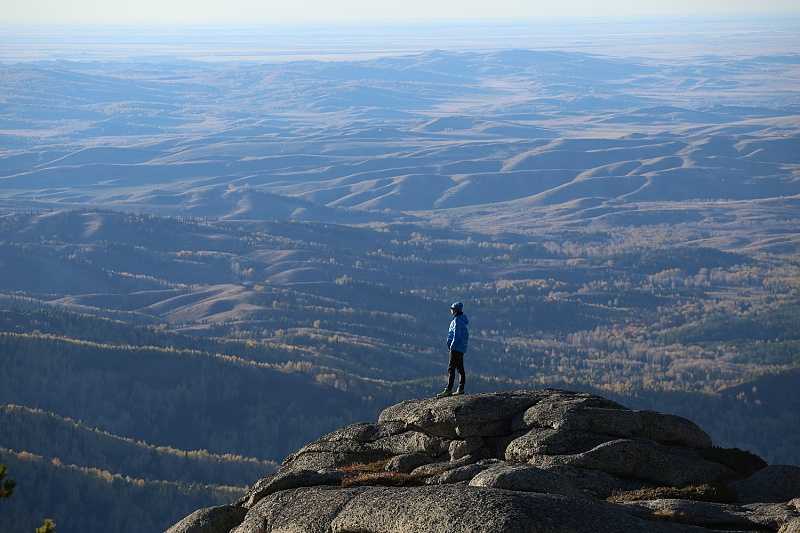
<point x="354" y="11"/>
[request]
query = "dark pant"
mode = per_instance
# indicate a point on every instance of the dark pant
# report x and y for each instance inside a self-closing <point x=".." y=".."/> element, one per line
<point x="456" y="363"/>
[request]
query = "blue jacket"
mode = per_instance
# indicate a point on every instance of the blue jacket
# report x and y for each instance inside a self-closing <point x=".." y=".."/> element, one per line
<point x="458" y="335"/>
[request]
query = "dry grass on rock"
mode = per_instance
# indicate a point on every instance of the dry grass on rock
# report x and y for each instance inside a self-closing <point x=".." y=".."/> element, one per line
<point x="364" y="474"/>
<point x="715" y="492"/>
<point x="364" y="468"/>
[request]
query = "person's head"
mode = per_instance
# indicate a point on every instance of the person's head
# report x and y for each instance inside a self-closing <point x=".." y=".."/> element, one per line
<point x="457" y="308"/>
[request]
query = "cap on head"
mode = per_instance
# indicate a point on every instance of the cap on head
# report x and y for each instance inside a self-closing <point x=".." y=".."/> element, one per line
<point x="457" y="307"/>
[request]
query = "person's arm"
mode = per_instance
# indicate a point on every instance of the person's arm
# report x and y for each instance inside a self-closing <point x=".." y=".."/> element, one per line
<point x="457" y="333"/>
<point x="451" y="334"/>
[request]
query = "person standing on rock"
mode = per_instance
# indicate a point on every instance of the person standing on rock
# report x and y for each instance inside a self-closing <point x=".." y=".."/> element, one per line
<point x="457" y="339"/>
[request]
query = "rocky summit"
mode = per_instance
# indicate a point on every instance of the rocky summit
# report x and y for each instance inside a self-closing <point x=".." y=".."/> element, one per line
<point x="523" y="461"/>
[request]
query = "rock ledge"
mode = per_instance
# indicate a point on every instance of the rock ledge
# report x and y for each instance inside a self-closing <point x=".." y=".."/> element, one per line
<point x="522" y="461"/>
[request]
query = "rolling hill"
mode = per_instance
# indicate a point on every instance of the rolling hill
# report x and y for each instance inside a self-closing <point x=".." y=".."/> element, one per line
<point x="204" y="265"/>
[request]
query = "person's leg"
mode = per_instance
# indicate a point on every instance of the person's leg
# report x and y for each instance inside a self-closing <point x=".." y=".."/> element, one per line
<point x="451" y="369"/>
<point x="461" y="372"/>
<point x="460" y="367"/>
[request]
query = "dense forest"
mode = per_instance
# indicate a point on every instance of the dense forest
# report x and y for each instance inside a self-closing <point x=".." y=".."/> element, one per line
<point x="79" y="498"/>
<point x="72" y="442"/>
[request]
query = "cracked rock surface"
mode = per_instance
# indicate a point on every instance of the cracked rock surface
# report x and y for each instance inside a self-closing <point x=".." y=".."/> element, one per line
<point x="521" y="461"/>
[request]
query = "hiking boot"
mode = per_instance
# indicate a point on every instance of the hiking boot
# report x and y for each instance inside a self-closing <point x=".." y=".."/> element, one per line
<point x="459" y="392"/>
<point x="445" y="393"/>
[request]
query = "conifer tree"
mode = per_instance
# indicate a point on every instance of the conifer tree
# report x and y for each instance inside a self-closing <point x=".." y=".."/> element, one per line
<point x="7" y="489"/>
<point x="6" y="485"/>
<point x="47" y="527"/>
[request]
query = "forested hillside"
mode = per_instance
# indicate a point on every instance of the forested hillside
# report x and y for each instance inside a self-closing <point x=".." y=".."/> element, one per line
<point x="90" y="499"/>
<point x="72" y="442"/>
<point x="179" y="397"/>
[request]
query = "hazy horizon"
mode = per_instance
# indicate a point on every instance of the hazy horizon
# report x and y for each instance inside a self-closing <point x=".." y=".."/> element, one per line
<point x="253" y="11"/>
<point x="658" y="37"/>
